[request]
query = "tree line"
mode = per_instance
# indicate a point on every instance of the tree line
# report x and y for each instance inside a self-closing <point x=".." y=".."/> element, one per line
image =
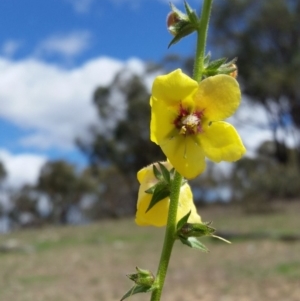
<point x="264" y="35"/>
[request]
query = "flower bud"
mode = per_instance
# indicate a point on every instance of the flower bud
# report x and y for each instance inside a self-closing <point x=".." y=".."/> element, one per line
<point x="196" y="230"/>
<point x="172" y="20"/>
<point x="158" y="214"/>
<point x="142" y="277"/>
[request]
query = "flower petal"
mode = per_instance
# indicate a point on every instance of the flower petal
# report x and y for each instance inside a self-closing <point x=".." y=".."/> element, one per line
<point x="186" y="204"/>
<point x="219" y="96"/>
<point x="221" y="142"/>
<point x="158" y="214"/>
<point x="173" y="87"/>
<point x="162" y="121"/>
<point x="141" y="174"/>
<point x="185" y="155"/>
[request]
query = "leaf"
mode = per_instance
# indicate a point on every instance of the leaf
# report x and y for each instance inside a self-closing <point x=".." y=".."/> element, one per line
<point x="194" y="243"/>
<point x="137" y="289"/>
<point x="183" y="220"/>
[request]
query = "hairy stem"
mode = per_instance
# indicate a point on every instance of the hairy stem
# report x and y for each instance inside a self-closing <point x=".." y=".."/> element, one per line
<point x="170" y="234"/>
<point x="169" y="237"/>
<point x="201" y="41"/>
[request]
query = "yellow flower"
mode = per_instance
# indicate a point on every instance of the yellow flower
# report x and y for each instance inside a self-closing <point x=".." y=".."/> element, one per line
<point x="158" y="214"/>
<point x="186" y="120"/>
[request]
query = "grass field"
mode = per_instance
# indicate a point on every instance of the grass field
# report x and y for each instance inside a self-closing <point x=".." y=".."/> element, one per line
<point x="89" y="263"/>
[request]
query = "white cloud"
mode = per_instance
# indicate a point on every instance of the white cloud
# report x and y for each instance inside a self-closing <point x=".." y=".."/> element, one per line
<point x="67" y="45"/>
<point x="180" y="3"/>
<point x="81" y="6"/>
<point x="56" y="104"/>
<point x="85" y="6"/>
<point x="21" y="168"/>
<point x="251" y="121"/>
<point x="10" y="47"/>
<point x="53" y="103"/>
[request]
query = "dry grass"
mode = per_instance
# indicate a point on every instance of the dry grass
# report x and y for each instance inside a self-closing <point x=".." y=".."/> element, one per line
<point x="89" y="263"/>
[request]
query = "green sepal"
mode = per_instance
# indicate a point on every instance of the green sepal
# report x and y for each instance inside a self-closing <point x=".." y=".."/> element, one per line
<point x="187" y="23"/>
<point x="178" y="12"/>
<point x="158" y="175"/>
<point x="194" y="243"/>
<point x="161" y="191"/>
<point x="172" y="173"/>
<point x="189" y="230"/>
<point x="142" y="277"/>
<point x="137" y="289"/>
<point x="184" y="29"/>
<point x="183" y="221"/>
<point x="219" y="66"/>
<point x="191" y="13"/>
<point x="216" y="64"/>
<point x="196" y="230"/>
<point x="144" y="282"/>
<point x="207" y="59"/>
<point x="151" y="189"/>
<point x="226" y="70"/>
<point x="165" y="173"/>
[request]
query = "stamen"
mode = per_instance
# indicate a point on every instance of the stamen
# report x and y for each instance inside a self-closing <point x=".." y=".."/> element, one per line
<point x="188" y="123"/>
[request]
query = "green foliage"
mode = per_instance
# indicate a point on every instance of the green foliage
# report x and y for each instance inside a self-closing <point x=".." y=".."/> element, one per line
<point x="264" y="35"/>
<point x="3" y="172"/>
<point x="64" y="186"/>
<point x="264" y="261"/>
<point x="122" y="142"/>
<point x="24" y="202"/>
<point x="289" y="269"/>
<point x="260" y="181"/>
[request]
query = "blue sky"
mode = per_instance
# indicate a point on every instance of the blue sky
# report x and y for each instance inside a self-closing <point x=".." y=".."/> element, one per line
<point x="49" y="47"/>
<point x="119" y="28"/>
<point x="53" y="54"/>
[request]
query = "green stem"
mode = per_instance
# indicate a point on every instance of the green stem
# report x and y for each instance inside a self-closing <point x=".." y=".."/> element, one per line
<point x="201" y="41"/>
<point x="169" y="237"/>
<point x="170" y="234"/>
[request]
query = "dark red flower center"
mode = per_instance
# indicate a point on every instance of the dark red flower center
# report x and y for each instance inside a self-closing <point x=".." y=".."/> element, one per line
<point x="188" y="123"/>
